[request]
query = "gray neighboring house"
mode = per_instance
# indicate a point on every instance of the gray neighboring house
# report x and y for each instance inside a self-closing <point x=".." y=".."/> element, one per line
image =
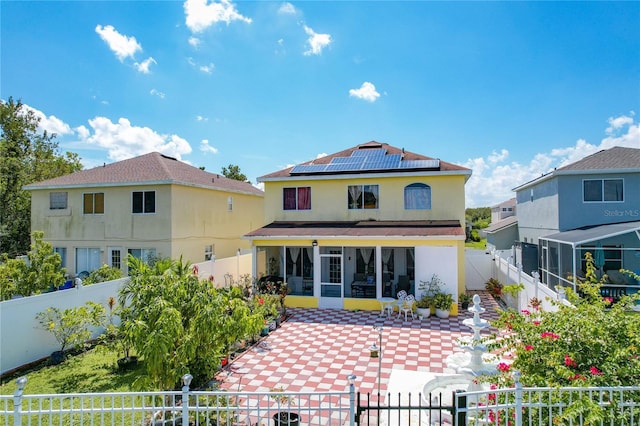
<point x="592" y="205"/>
<point x="503" y="234"/>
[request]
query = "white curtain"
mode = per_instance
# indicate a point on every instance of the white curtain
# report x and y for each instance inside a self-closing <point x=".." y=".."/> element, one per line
<point x="294" y="252"/>
<point x="386" y="256"/>
<point x="355" y="192"/>
<point x="366" y="255"/>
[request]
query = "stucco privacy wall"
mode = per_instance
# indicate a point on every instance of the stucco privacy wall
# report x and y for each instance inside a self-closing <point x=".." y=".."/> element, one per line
<point x="442" y="261"/>
<point x="21" y="341"/>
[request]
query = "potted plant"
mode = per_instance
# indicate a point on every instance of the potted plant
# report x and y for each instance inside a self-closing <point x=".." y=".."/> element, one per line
<point x="429" y="290"/>
<point x="442" y="302"/>
<point x="423" y="306"/>
<point x="282" y="418"/>
<point x="465" y="299"/>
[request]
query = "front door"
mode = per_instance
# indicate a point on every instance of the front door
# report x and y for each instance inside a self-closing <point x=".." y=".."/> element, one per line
<point x="115" y="257"/>
<point x="331" y="288"/>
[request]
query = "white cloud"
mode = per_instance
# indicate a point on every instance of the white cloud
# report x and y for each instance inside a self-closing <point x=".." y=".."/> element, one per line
<point x="287" y="9"/>
<point x="494" y="178"/>
<point x="366" y="92"/>
<point x="121" y="45"/>
<point x="322" y="154"/>
<point x="497" y="157"/>
<point x="618" y="122"/>
<point x="316" y="41"/>
<point x="208" y="69"/>
<point x="143" y="66"/>
<point x="205" y="147"/>
<point x="122" y="140"/>
<point x="194" y="41"/>
<point x="51" y="124"/>
<point x="201" y="14"/>
<point x="157" y="93"/>
<point x="201" y="118"/>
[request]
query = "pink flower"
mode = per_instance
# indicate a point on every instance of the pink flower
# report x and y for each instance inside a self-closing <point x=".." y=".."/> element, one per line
<point x="595" y="371"/>
<point x="526" y="312"/>
<point x="550" y="335"/>
<point x="528" y="348"/>
<point x="536" y="323"/>
<point x="576" y="377"/>
<point x="608" y="300"/>
<point x="261" y="301"/>
<point x="569" y="362"/>
<point x="504" y="367"/>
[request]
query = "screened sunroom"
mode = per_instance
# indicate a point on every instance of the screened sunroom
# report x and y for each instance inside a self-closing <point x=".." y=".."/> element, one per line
<point x="615" y="248"/>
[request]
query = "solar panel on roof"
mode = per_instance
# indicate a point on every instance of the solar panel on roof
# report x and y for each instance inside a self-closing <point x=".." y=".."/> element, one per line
<point x="378" y="152"/>
<point x="309" y="168"/>
<point x="387" y="162"/>
<point x="420" y="164"/>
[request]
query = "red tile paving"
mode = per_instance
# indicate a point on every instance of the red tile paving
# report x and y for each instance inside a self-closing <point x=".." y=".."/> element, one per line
<point x="316" y="349"/>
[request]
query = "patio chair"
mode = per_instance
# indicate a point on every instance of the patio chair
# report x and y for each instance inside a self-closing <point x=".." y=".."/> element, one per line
<point x="400" y="302"/>
<point x="407" y="307"/>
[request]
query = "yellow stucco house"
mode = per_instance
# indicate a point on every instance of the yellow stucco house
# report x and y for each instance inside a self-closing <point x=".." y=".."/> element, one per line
<point x="151" y="205"/>
<point x="351" y="227"/>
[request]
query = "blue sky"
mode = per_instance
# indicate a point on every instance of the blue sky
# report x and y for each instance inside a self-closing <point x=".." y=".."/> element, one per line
<point x="508" y="89"/>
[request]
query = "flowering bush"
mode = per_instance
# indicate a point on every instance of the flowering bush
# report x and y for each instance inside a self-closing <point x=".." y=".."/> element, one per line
<point x="494" y="287"/>
<point x="591" y="342"/>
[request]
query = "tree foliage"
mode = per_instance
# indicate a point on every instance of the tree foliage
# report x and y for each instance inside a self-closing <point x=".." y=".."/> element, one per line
<point x="593" y="341"/>
<point x="479" y="215"/>
<point x="70" y="326"/>
<point x="41" y="271"/>
<point x="25" y="157"/>
<point x="233" y="172"/>
<point x="102" y="274"/>
<point x="180" y="324"/>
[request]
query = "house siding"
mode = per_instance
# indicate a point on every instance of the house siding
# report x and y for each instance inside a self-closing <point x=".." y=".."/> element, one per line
<point x="329" y="199"/>
<point x="575" y="213"/>
<point x="538" y="211"/>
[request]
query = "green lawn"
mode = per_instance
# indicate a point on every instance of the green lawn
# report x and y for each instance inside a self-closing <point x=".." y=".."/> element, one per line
<point x="482" y="244"/>
<point x="92" y="371"/>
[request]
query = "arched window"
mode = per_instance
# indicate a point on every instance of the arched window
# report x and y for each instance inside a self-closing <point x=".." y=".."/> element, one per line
<point x="417" y="196"/>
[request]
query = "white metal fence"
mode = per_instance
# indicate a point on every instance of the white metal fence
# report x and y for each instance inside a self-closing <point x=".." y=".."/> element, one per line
<point x="614" y="406"/>
<point x="179" y="408"/>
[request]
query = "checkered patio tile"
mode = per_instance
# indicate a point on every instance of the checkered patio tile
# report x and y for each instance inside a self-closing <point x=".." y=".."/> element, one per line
<point x="316" y="349"/>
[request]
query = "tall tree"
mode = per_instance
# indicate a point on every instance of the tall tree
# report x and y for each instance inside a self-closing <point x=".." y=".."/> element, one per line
<point x="25" y="157"/>
<point x="233" y="172"/>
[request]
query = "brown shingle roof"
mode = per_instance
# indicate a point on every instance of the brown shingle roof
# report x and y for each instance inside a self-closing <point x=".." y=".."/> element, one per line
<point x="349" y="229"/>
<point x="152" y="168"/>
<point x="617" y="157"/>
<point x="444" y="166"/>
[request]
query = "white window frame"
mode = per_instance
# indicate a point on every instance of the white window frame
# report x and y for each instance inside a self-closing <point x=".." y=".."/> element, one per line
<point x="144" y="197"/>
<point x="602" y="190"/>
<point x="91" y="260"/>
<point x="58" y="200"/>
<point x="93" y="204"/>
<point x="209" y="252"/>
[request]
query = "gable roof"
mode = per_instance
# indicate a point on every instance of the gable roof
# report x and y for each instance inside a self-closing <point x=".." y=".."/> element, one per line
<point x="613" y="160"/>
<point x="149" y="169"/>
<point x="442" y="166"/>
<point x="511" y="202"/>
<point x="501" y="224"/>
<point x="616" y="158"/>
